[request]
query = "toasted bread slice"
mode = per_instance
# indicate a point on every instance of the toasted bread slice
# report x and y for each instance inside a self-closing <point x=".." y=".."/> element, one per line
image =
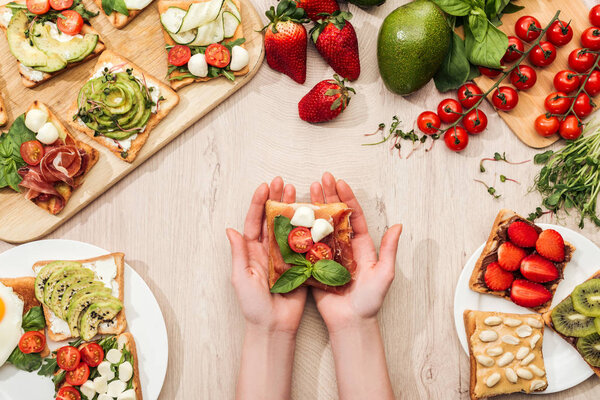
<point x="572" y="341"/>
<point x="499" y="235"/>
<point x="339" y="240"/>
<point x="116" y="19"/>
<point x="475" y="323"/>
<point x="177" y="84"/>
<point x="171" y="99"/>
<point x="129" y="343"/>
<point x="3" y="115"/>
<point x="120" y="321"/>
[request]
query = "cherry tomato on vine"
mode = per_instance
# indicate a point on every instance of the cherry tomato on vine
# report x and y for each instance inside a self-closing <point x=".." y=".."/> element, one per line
<point x="543" y="54"/>
<point x="528" y="28"/>
<point x="595" y="15"/>
<point x="428" y="122"/>
<point x="581" y="61"/>
<point x="449" y="110"/>
<point x="590" y="38"/>
<point x="592" y="86"/>
<point x="475" y="121"/>
<point x="566" y="81"/>
<point x="456" y="138"/>
<point x="505" y="98"/>
<point x="523" y="77"/>
<point x="546" y="126"/>
<point x="557" y="103"/>
<point x="179" y="55"/>
<point x="38" y="7"/>
<point x="570" y="128"/>
<point x="489" y="72"/>
<point x="559" y="33"/>
<point x="514" y="51"/>
<point x="583" y="105"/>
<point x="469" y="94"/>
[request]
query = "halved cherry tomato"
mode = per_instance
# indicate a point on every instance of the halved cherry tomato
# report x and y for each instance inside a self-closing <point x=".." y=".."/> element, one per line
<point x="515" y="49"/>
<point x="68" y="393"/>
<point x="557" y="103"/>
<point x="583" y="105"/>
<point x="592" y="86"/>
<point x="38" y="7"/>
<point x="449" y="110"/>
<point x="69" y="22"/>
<point x="300" y="239"/>
<point x="320" y="251"/>
<point x="428" y="122"/>
<point x="456" y="138"/>
<point x="505" y="98"/>
<point x="570" y="128"/>
<point x="79" y="375"/>
<point x="217" y="55"/>
<point x="566" y="81"/>
<point x="68" y="358"/>
<point x="595" y="15"/>
<point x="546" y="126"/>
<point x="581" y="61"/>
<point x="469" y="94"/>
<point x="92" y="354"/>
<point x="590" y="38"/>
<point x="543" y="54"/>
<point x="523" y="77"/>
<point x="489" y="72"/>
<point x="560" y="33"/>
<point x="60" y="5"/>
<point x="528" y="28"/>
<point x="475" y="121"/>
<point x="32" y="342"/>
<point x="179" y="55"/>
<point x="32" y="152"/>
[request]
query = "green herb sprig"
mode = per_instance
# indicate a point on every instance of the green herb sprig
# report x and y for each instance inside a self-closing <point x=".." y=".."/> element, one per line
<point x="499" y="157"/>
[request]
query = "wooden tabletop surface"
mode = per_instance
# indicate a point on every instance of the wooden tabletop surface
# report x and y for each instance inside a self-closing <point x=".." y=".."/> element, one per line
<point x="169" y="218"/>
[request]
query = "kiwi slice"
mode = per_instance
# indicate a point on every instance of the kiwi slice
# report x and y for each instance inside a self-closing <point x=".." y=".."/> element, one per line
<point x="597" y="323"/>
<point x="589" y="347"/>
<point x="586" y="298"/>
<point x="570" y="322"/>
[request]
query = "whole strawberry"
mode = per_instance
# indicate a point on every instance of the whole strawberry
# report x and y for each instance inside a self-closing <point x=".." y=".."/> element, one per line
<point x="336" y="41"/>
<point x="285" y="40"/>
<point x="325" y="101"/>
<point x="315" y="7"/>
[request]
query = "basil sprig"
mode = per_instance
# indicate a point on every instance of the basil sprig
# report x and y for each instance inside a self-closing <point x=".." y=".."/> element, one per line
<point x="10" y="153"/>
<point x="34" y="320"/>
<point x="330" y="273"/>
<point x="110" y="6"/>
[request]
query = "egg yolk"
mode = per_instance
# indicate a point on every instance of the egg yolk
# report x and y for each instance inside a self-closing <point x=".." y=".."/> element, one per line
<point x="2" y="309"/>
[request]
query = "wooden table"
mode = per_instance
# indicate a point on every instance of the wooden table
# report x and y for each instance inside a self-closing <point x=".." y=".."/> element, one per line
<point x="169" y="217"/>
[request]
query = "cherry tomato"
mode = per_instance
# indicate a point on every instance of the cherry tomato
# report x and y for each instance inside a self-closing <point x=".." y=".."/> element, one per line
<point x="68" y="393"/>
<point x="475" y="121"/>
<point x="570" y="128"/>
<point x="581" y="61"/>
<point x="559" y="33"/>
<point x="60" y="5"/>
<point x="68" y="358"/>
<point x="523" y="77"/>
<point x="514" y="51"/>
<point x="489" y="72"/>
<point x="566" y="81"/>
<point x="320" y="251"/>
<point x="79" y="375"/>
<point x="595" y="15"/>
<point x="179" y="55"/>
<point x="592" y="86"/>
<point x="449" y="110"/>
<point x="543" y="54"/>
<point x="32" y="152"/>
<point x="217" y="55"/>
<point x="32" y="342"/>
<point x="469" y="94"/>
<point x="428" y="122"/>
<point x="546" y="126"/>
<point x="300" y="239"/>
<point x="71" y="24"/>
<point x="583" y="105"/>
<point x="557" y="103"/>
<point x="38" y="7"/>
<point x="505" y="98"/>
<point x="92" y="354"/>
<point x="456" y="138"/>
<point x="590" y="38"/>
<point x="528" y="28"/>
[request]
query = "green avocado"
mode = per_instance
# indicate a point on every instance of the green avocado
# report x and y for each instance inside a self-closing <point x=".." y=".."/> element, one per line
<point x="44" y="273"/>
<point x="56" y="277"/>
<point x="74" y="50"/>
<point x="412" y="44"/>
<point x="73" y="290"/>
<point x="367" y="3"/>
<point x="95" y="314"/>
<point x="79" y="303"/>
<point x="61" y="286"/>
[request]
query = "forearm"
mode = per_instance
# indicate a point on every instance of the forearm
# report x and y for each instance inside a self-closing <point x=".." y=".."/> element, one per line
<point x="266" y="367"/>
<point x="360" y="365"/>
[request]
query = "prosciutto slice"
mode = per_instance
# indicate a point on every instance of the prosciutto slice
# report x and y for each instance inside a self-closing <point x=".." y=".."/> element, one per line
<point x="37" y="186"/>
<point x="62" y="164"/>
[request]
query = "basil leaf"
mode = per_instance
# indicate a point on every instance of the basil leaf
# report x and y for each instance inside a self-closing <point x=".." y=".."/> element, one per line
<point x="49" y="367"/>
<point x="115" y="5"/>
<point x="34" y="320"/>
<point x="473" y="73"/>
<point x="455" y="69"/>
<point x="10" y="153"/>
<point x="478" y="24"/>
<point x="331" y="273"/>
<point x="457" y="8"/>
<point x="291" y="279"/>
<point x="282" y="228"/>
<point x="490" y="50"/>
<point x="25" y="362"/>
<point x="512" y="8"/>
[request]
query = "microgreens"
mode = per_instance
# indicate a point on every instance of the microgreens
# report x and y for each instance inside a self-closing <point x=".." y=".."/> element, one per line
<point x="490" y="189"/>
<point x="499" y="157"/>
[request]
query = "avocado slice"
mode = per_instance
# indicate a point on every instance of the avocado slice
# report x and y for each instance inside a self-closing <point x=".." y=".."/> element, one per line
<point x="55" y="277"/>
<point x="83" y="274"/>
<point x="74" y="50"/>
<point x="96" y="313"/>
<point x="72" y="291"/>
<point x="44" y="274"/>
<point x="81" y="303"/>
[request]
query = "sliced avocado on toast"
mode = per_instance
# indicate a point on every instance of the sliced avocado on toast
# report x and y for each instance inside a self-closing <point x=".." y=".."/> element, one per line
<point x="97" y="313"/>
<point x="73" y="50"/>
<point x="44" y="274"/>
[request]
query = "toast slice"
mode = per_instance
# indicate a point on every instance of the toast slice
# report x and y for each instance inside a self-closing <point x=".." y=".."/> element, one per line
<point x="175" y="82"/>
<point x="338" y="241"/>
<point x="171" y="99"/>
<point x="499" y="235"/>
<point x="571" y="340"/>
<point x="491" y="355"/>
<point x="3" y="115"/>
<point x="120" y="322"/>
<point x="116" y="19"/>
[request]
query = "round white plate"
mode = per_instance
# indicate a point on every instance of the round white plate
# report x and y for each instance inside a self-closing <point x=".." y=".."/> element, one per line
<point x="144" y="320"/>
<point x="565" y="368"/>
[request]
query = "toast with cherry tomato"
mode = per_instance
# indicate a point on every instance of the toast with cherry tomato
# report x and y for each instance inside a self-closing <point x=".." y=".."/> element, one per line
<point x="309" y="244"/>
<point x="48" y="37"/>
<point x="3" y="115"/>
<point x="189" y="34"/>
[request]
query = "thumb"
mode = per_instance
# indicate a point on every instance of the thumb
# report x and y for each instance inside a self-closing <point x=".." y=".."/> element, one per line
<point x="239" y="253"/>
<point x="389" y="248"/>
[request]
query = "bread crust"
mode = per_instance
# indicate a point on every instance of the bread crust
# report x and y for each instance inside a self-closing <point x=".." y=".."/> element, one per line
<point x="3" y="115"/>
<point x="131" y="346"/>
<point x="119" y="20"/>
<point x="165" y="106"/>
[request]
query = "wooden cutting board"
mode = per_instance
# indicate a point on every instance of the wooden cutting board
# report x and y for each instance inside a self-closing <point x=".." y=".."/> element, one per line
<point x="531" y="102"/>
<point x="142" y="42"/>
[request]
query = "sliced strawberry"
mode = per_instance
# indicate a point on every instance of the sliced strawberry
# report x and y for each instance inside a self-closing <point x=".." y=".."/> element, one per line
<point x="496" y="278"/>
<point x="538" y="269"/>
<point x="522" y="234"/>
<point x="551" y="245"/>
<point x="529" y="294"/>
<point x="510" y="256"/>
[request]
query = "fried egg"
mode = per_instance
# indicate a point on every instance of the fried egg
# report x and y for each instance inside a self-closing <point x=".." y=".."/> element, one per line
<point x="11" y="316"/>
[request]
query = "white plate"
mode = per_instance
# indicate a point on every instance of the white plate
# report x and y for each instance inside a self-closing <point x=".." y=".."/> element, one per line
<point x="144" y="320"/>
<point x="565" y="368"/>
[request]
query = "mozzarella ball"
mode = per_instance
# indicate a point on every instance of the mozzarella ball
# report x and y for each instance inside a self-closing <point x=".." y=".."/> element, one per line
<point x="115" y="388"/>
<point x="88" y="389"/>
<point x="114" y="356"/>
<point x="197" y="65"/>
<point x="320" y="229"/>
<point x="127" y="395"/>
<point x="104" y="370"/>
<point x="125" y="371"/>
<point x="47" y="134"/>
<point x="101" y="384"/>
<point x="104" y="396"/>
<point x="35" y="119"/>
<point x="304" y="216"/>
<point x="239" y="58"/>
